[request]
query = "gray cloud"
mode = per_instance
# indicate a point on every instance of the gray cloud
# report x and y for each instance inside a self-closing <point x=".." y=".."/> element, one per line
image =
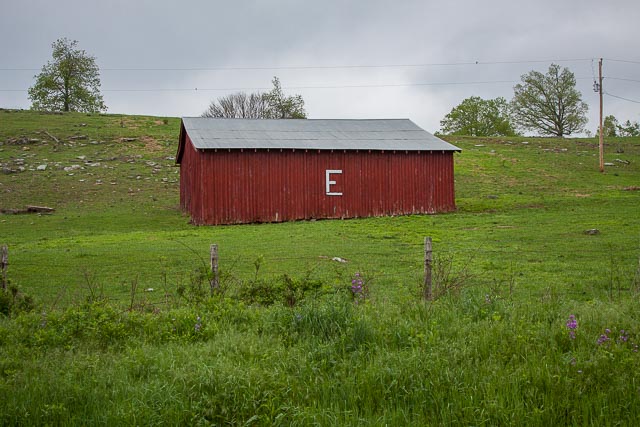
<point x="204" y="34"/>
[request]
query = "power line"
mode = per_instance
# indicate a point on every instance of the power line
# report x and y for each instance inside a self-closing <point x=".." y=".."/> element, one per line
<point x="326" y="67"/>
<point x="620" y="97"/>
<point x="622" y="79"/>
<point x="623" y="60"/>
<point x="355" y="86"/>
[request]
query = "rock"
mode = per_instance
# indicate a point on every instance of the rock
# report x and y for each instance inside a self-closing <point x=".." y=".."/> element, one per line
<point x="42" y="167"/>
<point x="609" y="164"/>
<point x="592" y="232"/>
<point x="81" y="157"/>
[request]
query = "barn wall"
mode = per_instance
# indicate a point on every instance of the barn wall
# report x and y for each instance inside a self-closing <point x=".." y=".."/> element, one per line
<point x="227" y="187"/>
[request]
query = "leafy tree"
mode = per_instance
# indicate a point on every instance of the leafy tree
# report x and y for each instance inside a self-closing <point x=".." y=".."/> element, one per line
<point x="629" y="128"/>
<point x="549" y="103"/>
<point x="271" y="105"/>
<point x="239" y="105"/>
<point x="71" y="82"/>
<point x="284" y="107"/>
<point x="479" y="117"/>
<point x="610" y="126"/>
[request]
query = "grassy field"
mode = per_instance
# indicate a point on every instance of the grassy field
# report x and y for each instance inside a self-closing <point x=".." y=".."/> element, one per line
<point x="123" y="329"/>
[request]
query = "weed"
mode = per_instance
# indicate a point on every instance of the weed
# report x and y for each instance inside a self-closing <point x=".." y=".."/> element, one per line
<point x="448" y="280"/>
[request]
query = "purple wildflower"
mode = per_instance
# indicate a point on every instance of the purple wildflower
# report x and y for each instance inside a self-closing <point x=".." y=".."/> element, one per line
<point x="623" y="336"/>
<point x="572" y="325"/>
<point x="358" y="288"/>
<point x="603" y="339"/>
<point x="198" y="324"/>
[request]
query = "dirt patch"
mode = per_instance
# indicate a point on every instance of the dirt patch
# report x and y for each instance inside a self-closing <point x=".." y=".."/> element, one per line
<point x="632" y="188"/>
<point x="151" y="144"/>
<point x="582" y="195"/>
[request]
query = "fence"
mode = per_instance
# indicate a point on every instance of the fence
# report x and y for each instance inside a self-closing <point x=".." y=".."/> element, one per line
<point x="397" y="268"/>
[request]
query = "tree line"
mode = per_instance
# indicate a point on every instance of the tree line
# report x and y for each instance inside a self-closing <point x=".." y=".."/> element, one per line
<point x="548" y="104"/>
<point x="71" y="82"/>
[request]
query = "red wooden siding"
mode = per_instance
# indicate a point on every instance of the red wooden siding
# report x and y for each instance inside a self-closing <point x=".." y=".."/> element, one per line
<point x="244" y="186"/>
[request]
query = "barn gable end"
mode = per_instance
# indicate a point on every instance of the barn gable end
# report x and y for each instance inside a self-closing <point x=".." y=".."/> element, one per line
<point x="245" y="170"/>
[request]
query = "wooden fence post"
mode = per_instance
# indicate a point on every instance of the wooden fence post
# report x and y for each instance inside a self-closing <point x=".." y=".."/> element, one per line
<point x="428" y="259"/>
<point x="215" y="277"/>
<point x="4" y="264"/>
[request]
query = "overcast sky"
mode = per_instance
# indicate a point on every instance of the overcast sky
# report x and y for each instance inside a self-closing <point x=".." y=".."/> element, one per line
<point x="348" y="59"/>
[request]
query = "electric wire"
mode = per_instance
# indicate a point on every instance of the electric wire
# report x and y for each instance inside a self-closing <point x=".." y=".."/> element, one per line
<point x="326" y="67"/>
<point x="620" y="97"/>
<point x="623" y="79"/>
<point x="310" y="87"/>
<point x="628" y="61"/>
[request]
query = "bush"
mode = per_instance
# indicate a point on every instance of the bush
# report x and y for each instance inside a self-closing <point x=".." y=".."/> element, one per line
<point x="13" y="300"/>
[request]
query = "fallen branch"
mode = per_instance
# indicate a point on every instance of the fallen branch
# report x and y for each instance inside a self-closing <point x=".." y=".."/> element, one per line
<point x="28" y="210"/>
<point x="52" y="137"/>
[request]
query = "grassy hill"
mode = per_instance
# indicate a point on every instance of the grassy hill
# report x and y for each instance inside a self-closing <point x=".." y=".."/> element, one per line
<point x="125" y="331"/>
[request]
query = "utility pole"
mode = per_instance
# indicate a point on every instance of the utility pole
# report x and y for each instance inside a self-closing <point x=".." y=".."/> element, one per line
<point x="601" y="130"/>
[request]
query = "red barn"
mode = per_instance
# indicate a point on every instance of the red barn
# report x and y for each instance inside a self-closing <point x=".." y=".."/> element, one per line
<point x="247" y="170"/>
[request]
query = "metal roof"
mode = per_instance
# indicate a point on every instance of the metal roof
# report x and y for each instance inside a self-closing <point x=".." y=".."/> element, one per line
<point x="314" y="134"/>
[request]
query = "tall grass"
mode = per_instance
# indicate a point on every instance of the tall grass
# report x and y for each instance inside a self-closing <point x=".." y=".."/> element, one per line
<point x="462" y="359"/>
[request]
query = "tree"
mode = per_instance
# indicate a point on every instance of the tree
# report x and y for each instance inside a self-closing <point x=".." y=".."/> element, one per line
<point x="610" y="126"/>
<point x="71" y="82"/>
<point x="629" y="128"/>
<point x="549" y="103"/>
<point x="284" y="107"/>
<point x="479" y="117"/>
<point x="239" y="105"/>
<point x="270" y="105"/>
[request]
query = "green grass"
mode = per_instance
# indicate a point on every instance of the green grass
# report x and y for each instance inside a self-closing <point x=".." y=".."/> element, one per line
<point x="101" y="349"/>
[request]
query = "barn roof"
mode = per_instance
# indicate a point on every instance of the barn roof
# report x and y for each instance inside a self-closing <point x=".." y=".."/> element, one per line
<point x="315" y="134"/>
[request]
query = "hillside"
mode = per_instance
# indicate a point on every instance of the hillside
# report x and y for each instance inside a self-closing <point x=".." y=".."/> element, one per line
<point x="536" y="276"/>
<point x="113" y="183"/>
